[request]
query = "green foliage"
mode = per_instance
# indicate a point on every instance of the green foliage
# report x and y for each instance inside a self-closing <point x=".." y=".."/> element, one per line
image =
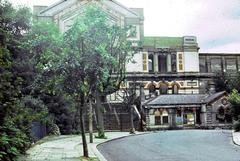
<point x="236" y="125"/>
<point x="17" y="108"/>
<point x="227" y="82"/>
<point x="234" y="99"/>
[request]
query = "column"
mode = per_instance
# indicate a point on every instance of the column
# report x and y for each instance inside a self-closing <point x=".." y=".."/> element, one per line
<point x="155" y="57"/>
<point x="182" y="113"/>
<point x="203" y="115"/>
<point x="195" y="116"/>
<point x="174" y="115"/>
<point x="169" y="63"/>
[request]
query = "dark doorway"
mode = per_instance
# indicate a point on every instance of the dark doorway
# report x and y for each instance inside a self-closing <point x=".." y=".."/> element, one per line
<point x="198" y="115"/>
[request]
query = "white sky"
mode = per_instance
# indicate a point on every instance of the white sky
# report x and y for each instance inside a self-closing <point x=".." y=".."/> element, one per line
<point x="216" y="23"/>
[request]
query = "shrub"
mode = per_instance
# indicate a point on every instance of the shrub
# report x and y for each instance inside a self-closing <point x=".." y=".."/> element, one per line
<point x="236" y="126"/>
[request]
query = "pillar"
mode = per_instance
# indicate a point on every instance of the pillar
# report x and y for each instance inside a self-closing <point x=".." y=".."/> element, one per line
<point x="195" y="115"/>
<point x="155" y="57"/>
<point x="182" y="113"/>
<point x="169" y="63"/>
<point x="203" y="115"/>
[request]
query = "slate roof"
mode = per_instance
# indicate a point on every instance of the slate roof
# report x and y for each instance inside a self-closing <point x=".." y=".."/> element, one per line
<point x="163" y="42"/>
<point x="63" y="4"/>
<point x="183" y="99"/>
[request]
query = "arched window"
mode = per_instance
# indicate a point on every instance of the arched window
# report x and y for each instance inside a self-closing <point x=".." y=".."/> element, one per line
<point x="165" y="117"/>
<point x="163" y="88"/>
<point x="152" y="88"/>
<point x="221" y="115"/>
<point x="175" y="89"/>
<point x="157" y="114"/>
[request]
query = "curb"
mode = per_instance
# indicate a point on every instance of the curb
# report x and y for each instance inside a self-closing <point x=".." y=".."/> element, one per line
<point x="100" y="156"/>
<point x="233" y="140"/>
<point x="121" y="137"/>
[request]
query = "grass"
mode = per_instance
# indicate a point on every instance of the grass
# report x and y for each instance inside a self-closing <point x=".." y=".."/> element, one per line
<point x="89" y="159"/>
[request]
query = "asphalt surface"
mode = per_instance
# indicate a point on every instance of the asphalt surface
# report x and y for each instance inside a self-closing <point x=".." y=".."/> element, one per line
<point x="181" y="145"/>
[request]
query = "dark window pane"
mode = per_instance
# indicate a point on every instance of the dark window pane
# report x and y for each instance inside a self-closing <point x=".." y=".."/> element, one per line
<point x="165" y="119"/>
<point x="162" y="63"/>
<point x="163" y="89"/>
<point x="157" y="120"/>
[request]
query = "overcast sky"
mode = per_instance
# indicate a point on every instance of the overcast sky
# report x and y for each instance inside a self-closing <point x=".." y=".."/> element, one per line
<point x="216" y="23"/>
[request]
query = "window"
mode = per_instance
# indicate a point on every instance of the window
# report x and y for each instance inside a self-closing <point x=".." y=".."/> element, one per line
<point x="163" y="88"/>
<point x="165" y="119"/>
<point x="216" y="65"/>
<point x="132" y="33"/>
<point x="157" y="120"/>
<point x="174" y="63"/>
<point x="202" y="65"/>
<point x="152" y="89"/>
<point x="231" y="64"/>
<point x="221" y="115"/>
<point x="150" y="63"/>
<point x="145" y="62"/>
<point x="162" y="63"/>
<point x="180" y="61"/>
<point x="157" y="114"/>
<point x="175" y="89"/>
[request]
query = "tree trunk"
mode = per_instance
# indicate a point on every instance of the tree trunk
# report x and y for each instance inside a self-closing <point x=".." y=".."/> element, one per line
<point x="90" y="119"/>
<point x="132" y="130"/>
<point x="100" y="110"/>
<point x="84" y="142"/>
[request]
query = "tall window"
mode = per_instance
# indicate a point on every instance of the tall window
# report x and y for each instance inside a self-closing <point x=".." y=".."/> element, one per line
<point x="174" y="63"/>
<point x="150" y="63"/>
<point x="165" y="117"/>
<point x="216" y="65"/>
<point x="157" y="114"/>
<point x="162" y="63"/>
<point x="175" y="89"/>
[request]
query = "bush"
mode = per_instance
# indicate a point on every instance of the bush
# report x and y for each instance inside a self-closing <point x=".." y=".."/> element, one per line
<point x="13" y="142"/>
<point x="236" y="126"/>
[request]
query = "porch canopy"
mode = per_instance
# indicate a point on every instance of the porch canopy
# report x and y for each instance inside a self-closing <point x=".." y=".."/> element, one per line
<point x="182" y="100"/>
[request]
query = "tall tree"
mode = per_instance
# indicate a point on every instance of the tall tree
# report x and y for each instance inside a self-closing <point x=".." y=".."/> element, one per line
<point x="93" y="50"/>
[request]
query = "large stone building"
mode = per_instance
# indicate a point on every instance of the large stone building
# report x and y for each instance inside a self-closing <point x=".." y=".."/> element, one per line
<point x="176" y="79"/>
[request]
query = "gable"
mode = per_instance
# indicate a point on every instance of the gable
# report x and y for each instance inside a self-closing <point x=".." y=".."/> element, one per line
<point x="65" y="12"/>
<point x="70" y="4"/>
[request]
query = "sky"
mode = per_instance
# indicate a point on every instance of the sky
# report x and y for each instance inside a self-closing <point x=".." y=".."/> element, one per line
<point x="215" y="23"/>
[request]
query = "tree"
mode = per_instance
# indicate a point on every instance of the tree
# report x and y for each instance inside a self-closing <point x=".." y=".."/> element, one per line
<point x="17" y="110"/>
<point x="227" y="81"/>
<point x="234" y="99"/>
<point x="92" y="49"/>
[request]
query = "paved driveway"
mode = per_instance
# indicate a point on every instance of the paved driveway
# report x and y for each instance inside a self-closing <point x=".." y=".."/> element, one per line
<point x="182" y="145"/>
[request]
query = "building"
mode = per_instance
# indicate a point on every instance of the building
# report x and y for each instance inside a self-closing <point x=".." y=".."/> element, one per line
<point x="176" y="79"/>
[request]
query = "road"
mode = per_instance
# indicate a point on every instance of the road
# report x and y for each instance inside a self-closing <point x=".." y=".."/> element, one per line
<point x="179" y="145"/>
